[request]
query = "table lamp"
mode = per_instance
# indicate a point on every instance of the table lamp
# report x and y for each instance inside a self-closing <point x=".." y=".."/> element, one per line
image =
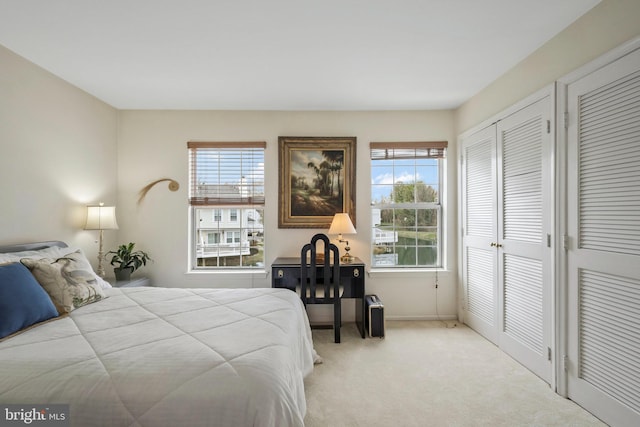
<point x="340" y="225"/>
<point x="101" y="218"/>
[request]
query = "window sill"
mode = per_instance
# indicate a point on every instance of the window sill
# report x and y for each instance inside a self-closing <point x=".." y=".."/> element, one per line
<point x="235" y="273"/>
<point x="406" y="272"/>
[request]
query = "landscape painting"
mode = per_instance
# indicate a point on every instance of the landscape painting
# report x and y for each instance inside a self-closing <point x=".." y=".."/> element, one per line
<point x="317" y="180"/>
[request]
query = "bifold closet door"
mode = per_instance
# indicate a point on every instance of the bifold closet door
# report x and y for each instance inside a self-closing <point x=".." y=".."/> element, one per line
<point x="507" y="255"/>
<point x="603" y="258"/>
<point x="524" y="245"/>
<point x="479" y="232"/>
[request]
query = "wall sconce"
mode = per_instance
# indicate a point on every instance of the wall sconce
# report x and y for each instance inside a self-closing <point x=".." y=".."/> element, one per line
<point x="173" y="186"/>
<point x="340" y="225"/>
<point x="101" y="218"/>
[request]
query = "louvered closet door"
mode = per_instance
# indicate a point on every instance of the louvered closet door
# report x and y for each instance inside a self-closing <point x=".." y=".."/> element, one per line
<point x="603" y="261"/>
<point x="479" y="232"/>
<point x="524" y="253"/>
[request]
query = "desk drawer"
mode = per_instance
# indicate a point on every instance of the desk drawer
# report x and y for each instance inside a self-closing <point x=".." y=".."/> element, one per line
<point x="351" y="278"/>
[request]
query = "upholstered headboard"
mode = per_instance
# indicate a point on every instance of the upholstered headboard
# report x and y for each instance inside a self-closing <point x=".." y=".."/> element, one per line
<point x="32" y="246"/>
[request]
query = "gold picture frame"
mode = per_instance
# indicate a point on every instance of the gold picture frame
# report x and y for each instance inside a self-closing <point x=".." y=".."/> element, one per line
<point x="317" y="180"/>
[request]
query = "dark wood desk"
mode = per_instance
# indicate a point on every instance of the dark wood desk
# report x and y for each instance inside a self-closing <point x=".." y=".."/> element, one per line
<point x="285" y="273"/>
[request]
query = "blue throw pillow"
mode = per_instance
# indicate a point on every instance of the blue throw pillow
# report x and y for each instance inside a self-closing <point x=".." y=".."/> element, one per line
<point x="23" y="301"/>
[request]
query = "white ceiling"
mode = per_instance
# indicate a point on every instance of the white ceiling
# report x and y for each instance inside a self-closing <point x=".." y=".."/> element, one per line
<point x="282" y="54"/>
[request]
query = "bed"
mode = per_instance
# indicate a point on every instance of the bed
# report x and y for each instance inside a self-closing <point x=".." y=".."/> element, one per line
<point x="164" y="356"/>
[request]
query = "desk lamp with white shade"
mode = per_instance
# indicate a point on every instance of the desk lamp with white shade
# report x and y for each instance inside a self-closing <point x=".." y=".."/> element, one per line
<point x="340" y="225"/>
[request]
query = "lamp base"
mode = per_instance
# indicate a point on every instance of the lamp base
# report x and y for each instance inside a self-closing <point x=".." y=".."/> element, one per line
<point x="101" y="271"/>
<point x="347" y="258"/>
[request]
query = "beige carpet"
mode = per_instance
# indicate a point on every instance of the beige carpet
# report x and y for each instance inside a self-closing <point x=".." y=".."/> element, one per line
<point x="425" y="374"/>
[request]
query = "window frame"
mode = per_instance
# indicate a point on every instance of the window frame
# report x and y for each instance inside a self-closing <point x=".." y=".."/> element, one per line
<point x="396" y="151"/>
<point x="248" y="196"/>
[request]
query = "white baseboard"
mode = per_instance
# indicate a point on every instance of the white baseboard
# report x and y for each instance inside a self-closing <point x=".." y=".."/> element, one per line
<point x="426" y="317"/>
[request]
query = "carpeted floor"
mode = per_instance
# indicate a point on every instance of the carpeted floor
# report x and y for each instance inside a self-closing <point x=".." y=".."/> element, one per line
<point x="427" y="374"/>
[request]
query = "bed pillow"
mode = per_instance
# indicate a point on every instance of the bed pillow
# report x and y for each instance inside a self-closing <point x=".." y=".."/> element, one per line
<point x="23" y="302"/>
<point x="69" y="280"/>
<point x="49" y="252"/>
<point x="60" y="252"/>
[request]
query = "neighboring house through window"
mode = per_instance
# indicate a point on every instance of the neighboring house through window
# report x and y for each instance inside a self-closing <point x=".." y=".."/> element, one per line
<point x="226" y="198"/>
<point x="406" y="209"/>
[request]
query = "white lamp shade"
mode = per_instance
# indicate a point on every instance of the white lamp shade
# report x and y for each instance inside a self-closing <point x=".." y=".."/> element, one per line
<point x="342" y="224"/>
<point x="101" y="218"/>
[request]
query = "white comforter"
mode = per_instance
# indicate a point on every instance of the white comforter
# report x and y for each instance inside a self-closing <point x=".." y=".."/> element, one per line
<point x="168" y="357"/>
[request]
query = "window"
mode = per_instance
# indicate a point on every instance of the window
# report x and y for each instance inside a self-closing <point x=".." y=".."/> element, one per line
<point x="406" y="210"/>
<point x="226" y="198"/>
<point x="213" y="238"/>
<point x="233" y="237"/>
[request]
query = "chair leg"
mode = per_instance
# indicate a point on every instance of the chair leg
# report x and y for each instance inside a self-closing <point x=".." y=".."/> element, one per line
<point x="337" y="321"/>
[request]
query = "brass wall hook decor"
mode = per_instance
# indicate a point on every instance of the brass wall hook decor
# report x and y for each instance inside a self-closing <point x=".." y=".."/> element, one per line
<point x="173" y="186"/>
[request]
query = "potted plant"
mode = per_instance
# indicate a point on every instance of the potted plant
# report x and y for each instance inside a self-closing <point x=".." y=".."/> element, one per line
<point x="127" y="261"/>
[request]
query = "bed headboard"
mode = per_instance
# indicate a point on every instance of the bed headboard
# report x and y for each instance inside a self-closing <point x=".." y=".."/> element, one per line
<point x="32" y="246"/>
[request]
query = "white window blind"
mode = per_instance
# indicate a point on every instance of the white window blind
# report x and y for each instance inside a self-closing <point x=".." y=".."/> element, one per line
<point x="226" y="173"/>
<point x="408" y="150"/>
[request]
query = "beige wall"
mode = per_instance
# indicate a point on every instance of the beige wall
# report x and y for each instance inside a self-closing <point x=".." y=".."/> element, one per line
<point x="63" y="149"/>
<point x="152" y="145"/>
<point x="606" y="26"/>
<point x="57" y="154"/>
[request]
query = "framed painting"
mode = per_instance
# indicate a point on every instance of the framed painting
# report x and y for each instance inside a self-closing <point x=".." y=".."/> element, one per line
<point x="317" y="180"/>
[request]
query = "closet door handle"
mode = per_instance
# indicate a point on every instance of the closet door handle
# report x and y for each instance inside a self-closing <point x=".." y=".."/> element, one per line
<point x="493" y="244"/>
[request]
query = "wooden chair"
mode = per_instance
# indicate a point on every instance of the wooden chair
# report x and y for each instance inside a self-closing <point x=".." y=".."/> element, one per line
<point x="320" y="277"/>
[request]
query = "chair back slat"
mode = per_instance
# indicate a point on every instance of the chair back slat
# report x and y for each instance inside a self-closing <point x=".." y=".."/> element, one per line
<point x="309" y="280"/>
